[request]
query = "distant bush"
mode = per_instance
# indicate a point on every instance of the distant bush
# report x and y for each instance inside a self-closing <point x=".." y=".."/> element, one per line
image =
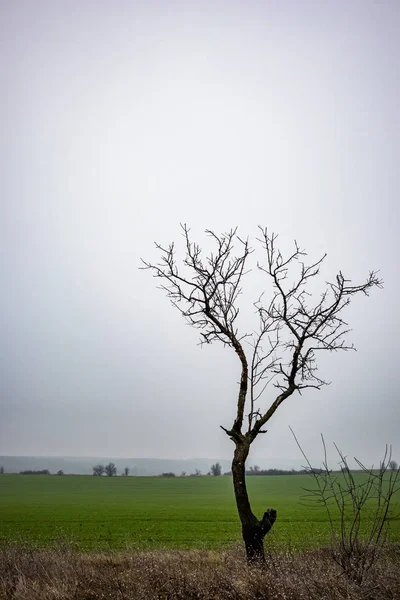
<point x="60" y="472"/>
<point x="167" y="475"/>
<point x="42" y="472"/>
<point x="216" y="469"/>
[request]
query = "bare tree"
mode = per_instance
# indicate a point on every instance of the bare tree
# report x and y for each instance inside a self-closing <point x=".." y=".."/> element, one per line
<point x="110" y="469"/>
<point x="216" y="469"/>
<point x="98" y="470"/>
<point x="281" y="353"/>
<point x="393" y="465"/>
<point x="126" y="471"/>
<point x="254" y="470"/>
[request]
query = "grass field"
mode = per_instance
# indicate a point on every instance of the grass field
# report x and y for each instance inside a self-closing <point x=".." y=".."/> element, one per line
<point x="148" y="512"/>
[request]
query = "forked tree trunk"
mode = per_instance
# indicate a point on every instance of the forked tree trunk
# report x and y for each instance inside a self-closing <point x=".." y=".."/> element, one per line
<point x="253" y="529"/>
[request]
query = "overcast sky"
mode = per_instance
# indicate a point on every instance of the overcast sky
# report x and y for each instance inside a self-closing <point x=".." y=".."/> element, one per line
<point x="121" y="119"/>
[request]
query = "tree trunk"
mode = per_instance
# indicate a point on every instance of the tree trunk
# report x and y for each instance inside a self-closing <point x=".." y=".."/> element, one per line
<point x="253" y="529"/>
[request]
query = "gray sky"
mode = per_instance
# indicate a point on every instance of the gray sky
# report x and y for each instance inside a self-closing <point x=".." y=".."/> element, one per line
<point x="121" y="119"/>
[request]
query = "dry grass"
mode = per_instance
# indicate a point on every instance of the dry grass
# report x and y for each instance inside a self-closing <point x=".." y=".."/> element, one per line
<point x="62" y="574"/>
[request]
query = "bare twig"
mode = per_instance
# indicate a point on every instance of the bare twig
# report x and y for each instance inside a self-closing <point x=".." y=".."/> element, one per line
<point x="359" y="509"/>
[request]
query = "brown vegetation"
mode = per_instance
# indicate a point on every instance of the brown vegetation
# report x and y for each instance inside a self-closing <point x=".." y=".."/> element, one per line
<point x="63" y="574"/>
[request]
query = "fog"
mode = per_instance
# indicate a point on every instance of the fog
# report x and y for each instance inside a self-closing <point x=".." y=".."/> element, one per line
<point x="122" y="119"/>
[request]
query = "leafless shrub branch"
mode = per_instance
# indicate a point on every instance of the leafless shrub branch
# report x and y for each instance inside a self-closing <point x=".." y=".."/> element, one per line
<point x="359" y="510"/>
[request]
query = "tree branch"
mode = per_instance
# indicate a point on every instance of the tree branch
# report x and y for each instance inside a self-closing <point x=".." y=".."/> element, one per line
<point x="292" y="328"/>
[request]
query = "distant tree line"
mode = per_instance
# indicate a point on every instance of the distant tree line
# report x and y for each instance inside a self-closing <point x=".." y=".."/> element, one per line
<point x="197" y="473"/>
<point x="110" y="470"/>
<point x="257" y="471"/>
<point x="30" y="472"/>
<point x="40" y="472"/>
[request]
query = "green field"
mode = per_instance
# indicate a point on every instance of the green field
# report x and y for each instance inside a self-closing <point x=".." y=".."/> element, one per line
<point x="184" y="512"/>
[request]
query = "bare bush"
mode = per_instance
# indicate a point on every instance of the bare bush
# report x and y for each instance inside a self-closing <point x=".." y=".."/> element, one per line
<point x="359" y="510"/>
